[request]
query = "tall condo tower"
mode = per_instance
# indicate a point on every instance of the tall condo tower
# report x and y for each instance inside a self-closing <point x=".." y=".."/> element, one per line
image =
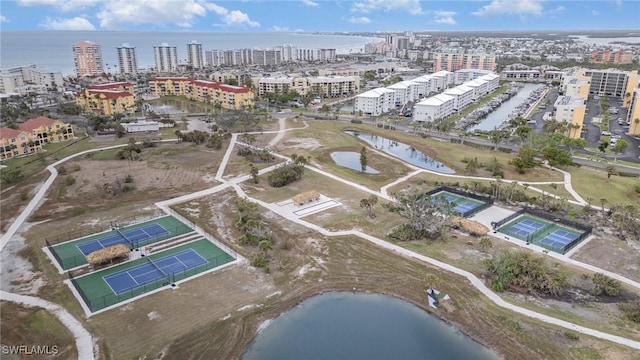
<point x="194" y="55"/>
<point x="127" y="59"/>
<point x="87" y="57"/>
<point x="166" y="57"/>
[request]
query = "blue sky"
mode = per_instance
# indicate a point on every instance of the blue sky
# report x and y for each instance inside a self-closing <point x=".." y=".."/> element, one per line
<point x="318" y="15"/>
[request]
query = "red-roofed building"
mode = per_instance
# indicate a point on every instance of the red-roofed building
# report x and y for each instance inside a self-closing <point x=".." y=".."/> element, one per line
<point x="107" y="99"/>
<point x="212" y="92"/>
<point x="31" y="135"/>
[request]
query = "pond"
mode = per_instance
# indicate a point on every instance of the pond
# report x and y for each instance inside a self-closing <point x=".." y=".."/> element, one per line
<point x="351" y="160"/>
<point x="403" y="152"/>
<point x="348" y="325"/>
<point x="173" y="106"/>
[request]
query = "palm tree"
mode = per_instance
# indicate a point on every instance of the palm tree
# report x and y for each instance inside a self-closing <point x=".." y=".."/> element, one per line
<point x="610" y="171"/>
<point x="636" y="122"/>
<point x="603" y="201"/>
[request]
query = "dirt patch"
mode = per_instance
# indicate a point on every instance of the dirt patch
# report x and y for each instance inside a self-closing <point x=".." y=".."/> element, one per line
<point x="302" y="143"/>
<point x="606" y="251"/>
<point x="163" y="172"/>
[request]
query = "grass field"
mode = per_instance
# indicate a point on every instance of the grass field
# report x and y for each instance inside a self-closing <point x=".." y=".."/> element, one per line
<point x="70" y="256"/>
<point x="594" y="185"/>
<point x="97" y="293"/>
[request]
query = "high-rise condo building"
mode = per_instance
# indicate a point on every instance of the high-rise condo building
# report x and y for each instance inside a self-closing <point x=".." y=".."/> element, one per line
<point x="166" y="57"/>
<point x="127" y="59"/>
<point x="88" y="58"/>
<point x="194" y="55"/>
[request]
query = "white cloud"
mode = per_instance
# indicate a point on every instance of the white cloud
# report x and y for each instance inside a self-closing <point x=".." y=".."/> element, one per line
<point x="231" y="18"/>
<point x="182" y="13"/>
<point x="595" y="12"/>
<point x="160" y="12"/>
<point x="359" y="20"/>
<point x="280" y="28"/>
<point x="76" y="23"/>
<point x="63" y="5"/>
<point x="558" y="10"/>
<point x="511" y="7"/>
<point x="413" y="7"/>
<point x="444" y="17"/>
<point x="3" y="19"/>
<point x="310" y="3"/>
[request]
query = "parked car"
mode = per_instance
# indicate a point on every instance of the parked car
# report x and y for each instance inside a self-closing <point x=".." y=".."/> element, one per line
<point x="606" y="133"/>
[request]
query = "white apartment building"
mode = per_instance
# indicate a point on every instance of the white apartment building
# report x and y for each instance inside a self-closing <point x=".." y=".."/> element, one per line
<point x="433" y="108"/>
<point x="493" y="81"/>
<point x="127" y="59"/>
<point x="462" y="94"/>
<point x="443" y="79"/>
<point x="374" y="102"/>
<point x="480" y="88"/>
<point x="166" y="57"/>
<point x="194" y="55"/>
<point x="25" y="79"/>
<point x="464" y="75"/>
<point x="402" y="92"/>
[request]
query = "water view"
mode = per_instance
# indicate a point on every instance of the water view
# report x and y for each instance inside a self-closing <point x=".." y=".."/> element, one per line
<point x="351" y="160"/>
<point x="403" y="152"/>
<point x="501" y="114"/>
<point x="362" y="326"/>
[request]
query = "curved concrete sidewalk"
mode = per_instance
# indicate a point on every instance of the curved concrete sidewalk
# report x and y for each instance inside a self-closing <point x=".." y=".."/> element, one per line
<point x="477" y="283"/>
<point x="83" y="339"/>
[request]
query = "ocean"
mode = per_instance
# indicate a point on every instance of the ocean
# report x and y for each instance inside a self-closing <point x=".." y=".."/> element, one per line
<point x="52" y="49"/>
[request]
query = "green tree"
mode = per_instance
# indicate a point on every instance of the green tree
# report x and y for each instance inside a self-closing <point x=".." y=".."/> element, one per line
<point x="575" y="144"/>
<point x="253" y="170"/>
<point x="428" y="216"/>
<point x="363" y="159"/>
<point x="497" y="136"/>
<point x="611" y="170"/>
<point x="619" y="147"/>
<point x="523" y="132"/>
<point x="603" y="146"/>
<point x="556" y="156"/>
<point x="525" y="159"/>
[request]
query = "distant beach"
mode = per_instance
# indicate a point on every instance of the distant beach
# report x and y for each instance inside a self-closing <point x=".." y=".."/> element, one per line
<point x="52" y="49"/>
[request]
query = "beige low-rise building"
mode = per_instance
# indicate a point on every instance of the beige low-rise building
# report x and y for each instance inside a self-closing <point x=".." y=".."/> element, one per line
<point x="30" y="136"/>
<point x="211" y="92"/>
<point x="323" y="86"/>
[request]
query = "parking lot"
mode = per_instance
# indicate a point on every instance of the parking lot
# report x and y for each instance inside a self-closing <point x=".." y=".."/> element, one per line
<point x="594" y="136"/>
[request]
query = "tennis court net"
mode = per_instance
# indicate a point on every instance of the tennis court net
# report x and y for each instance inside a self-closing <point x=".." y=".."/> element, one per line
<point x="124" y="237"/>
<point x="157" y="267"/>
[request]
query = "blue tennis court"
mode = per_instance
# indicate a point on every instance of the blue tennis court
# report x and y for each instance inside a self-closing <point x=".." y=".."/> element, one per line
<point x="461" y="204"/>
<point x="559" y="238"/>
<point x="525" y="227"/>
<point x="149" y="272"/>
<point x="128" y="237"/>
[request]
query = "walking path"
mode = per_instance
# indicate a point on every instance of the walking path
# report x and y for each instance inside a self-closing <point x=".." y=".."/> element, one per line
<point x="83" y="338"/>
<point x="84" y="341"/>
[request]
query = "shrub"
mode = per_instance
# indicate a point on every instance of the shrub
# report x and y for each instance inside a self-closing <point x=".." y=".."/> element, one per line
<point x="525" y="270"/>
<point x="261" y="261"/>
<point x="606" y="285"/>
<point x="76" y="167"/>
<point x="571" y="335"/>
<point x="631" y="310"/>
<point x="24" y="195"/>
<point x="284" y="175"/>
<point x="128" y="179"/>
<point x="62" y="170"/>
<point x="70" y="180"/>
<point x="128" y="188"/>
<point x="637" y="189"/>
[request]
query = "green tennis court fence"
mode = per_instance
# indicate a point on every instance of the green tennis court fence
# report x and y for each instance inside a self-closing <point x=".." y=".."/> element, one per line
<point x="76" y="234"/>
<point x="101" y="302"/>
<point x="70" y="262"/>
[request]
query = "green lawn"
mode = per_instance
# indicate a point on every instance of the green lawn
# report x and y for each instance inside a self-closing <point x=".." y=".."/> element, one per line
<point x="97" y="293"/>
<point x="70" y="256"/>
<point x="593" y="185"/>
